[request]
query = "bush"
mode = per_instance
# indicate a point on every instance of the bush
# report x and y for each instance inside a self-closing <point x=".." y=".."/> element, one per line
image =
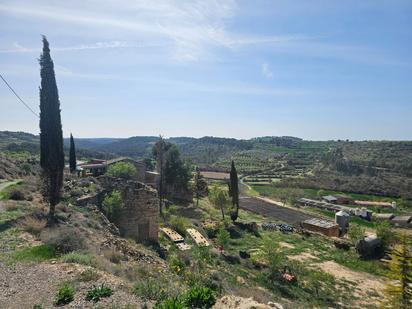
<point x="16" y="194"/>
<point x="88" y="275"/>
<point x="98" y="292"/>
<point x="177" y="264"/>
<point x="78" y="258"/>
<point x="112" y="205"/>
<point x="152" y="289"/>
<point x="180" y="224"/>
<point x="170" y="303"/>
<point x="65" y="294"/>
<point x="65" y="241"/>
<point x="32" y="225"/>
<point x="222" y="238"/>
<point x="199" y="297"/>
<point x="122" y="170"/>
<point x="356" y="232"/>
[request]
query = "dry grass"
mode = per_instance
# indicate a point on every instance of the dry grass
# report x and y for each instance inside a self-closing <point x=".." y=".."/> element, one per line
<point x="113" y="256"/>
<point x="33" y="225"/>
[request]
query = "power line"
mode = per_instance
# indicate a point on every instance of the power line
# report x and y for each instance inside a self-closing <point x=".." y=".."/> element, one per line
<point x="18" y="97"/>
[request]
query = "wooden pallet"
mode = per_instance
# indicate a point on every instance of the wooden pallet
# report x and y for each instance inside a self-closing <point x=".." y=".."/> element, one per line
<point x="173" y="235"/>
<point x="198" y="238"/>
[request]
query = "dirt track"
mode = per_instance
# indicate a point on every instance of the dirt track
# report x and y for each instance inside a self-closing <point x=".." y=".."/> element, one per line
<point x="266" y="209"/>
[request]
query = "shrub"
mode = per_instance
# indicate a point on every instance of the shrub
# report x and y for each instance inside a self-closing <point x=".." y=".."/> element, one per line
<point x="222" y="238"/>
<point x="152" y="289"/>
<point x="112" y="205"/>
<point x="177" y="264"/>
<point x="37" y="306"/>
<point x="33" y="225"/>
<point x="88" y="275"/>
<point x="16" y="194"/>
<point x="122" y="170"/>
<point x="170" y="303"/>
<point x="356" y="232"/>
<point x="65" y="294"/>
<point x="199" y="297"/>
<point x="180" y="224"/>
<point x="64" y="241"/>
<point x="78" y="258"/>
<point x="98" y="292"/>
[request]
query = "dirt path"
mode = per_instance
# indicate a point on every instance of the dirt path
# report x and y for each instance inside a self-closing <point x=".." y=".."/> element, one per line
<point x="4" y="185"/>
<point x="368" y="288"/>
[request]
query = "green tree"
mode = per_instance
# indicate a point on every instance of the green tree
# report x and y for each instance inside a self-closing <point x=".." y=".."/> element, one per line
<point x="199" y="187"/>
<point x="51" y="135"/>
<point x="112" y="205"/>
<point x="356" y="232"/>
<point x="399" y="292"/>
<point x="222" y="238"/>
<point x="234" y="192"/>
<point x="176" y="172"/>
<point x="122" y="170"/>
<point x="159" y="150"/>
<point x="219" y="198"/>
<point x="385" y="233"/>
<point x="72" y="155"/>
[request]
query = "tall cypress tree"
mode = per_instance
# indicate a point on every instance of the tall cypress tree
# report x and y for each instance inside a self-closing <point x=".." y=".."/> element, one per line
<point x="234" y="192"/>
<point x="72" y="155"/>
<point x="51" y="136"/>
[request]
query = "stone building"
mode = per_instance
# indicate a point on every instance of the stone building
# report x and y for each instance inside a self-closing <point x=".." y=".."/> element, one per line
<point x="139" y="217"/>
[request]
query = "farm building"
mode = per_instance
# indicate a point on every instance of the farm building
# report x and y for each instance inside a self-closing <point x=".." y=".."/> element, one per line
<point x="383" y="217"/>
<point x="401" y="221"/>
<point x="338" y="199"/>
<point x="215" y="176"/>
<point x="376" y="204"/>
<point x="324" y="227"/>
<point x="99" y="167"/>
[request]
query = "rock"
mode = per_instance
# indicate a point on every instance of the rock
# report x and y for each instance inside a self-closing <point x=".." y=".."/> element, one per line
<point x="240" y="280"/>
<point x="275" y="305"/>
<point x="244" y="254"/>
<point x="231" y="259"/>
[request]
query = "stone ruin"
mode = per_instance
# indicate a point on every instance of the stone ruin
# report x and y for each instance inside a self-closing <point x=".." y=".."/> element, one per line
<point x="139" y="217"/>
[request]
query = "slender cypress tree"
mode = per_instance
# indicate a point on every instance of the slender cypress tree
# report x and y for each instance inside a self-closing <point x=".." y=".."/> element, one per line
<point x="72" y="155"/>
<point x="234" y="192"/>
<point x="51" y="136"/>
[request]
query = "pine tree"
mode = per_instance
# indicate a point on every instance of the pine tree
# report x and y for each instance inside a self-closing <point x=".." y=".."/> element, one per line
<point x="199" y="186"/>
<point x="72" y="155"/>
<point x="159" y="150"/>
<point x="51" y="136"/>
<point x="399" y="292"/>
<point x="234" y="192"/>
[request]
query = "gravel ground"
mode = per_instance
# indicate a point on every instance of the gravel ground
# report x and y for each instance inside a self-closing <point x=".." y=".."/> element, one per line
<point x="24" y="285"/>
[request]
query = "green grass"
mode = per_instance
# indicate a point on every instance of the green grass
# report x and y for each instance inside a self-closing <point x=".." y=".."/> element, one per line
<point x="5" y="193"/>
<point x="78" y="258"/>
<point x="32" y="254"/>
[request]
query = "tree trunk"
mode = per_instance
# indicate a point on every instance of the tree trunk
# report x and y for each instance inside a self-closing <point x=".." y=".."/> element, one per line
<point x="223" y="213"/>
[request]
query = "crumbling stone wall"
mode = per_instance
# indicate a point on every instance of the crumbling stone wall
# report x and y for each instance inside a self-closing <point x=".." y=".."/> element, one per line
<point x="139" y="217"/>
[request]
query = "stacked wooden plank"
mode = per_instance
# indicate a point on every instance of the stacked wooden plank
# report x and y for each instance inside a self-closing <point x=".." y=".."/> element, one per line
<point x="198" y="238"/>
<point x="173" y="235"/>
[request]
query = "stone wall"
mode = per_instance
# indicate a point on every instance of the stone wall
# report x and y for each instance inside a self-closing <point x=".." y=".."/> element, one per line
<point x="139" y="218"/>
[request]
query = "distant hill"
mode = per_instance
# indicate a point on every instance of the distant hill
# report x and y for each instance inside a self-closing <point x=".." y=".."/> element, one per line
<point x="378" y="167"/>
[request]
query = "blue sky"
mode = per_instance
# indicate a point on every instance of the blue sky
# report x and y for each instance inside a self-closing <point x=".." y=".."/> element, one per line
<point x="313" y="69"/>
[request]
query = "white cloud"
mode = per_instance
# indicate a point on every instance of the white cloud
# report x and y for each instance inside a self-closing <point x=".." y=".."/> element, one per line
<point x="266" y="71"/>
<point x="191" y="28"/>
